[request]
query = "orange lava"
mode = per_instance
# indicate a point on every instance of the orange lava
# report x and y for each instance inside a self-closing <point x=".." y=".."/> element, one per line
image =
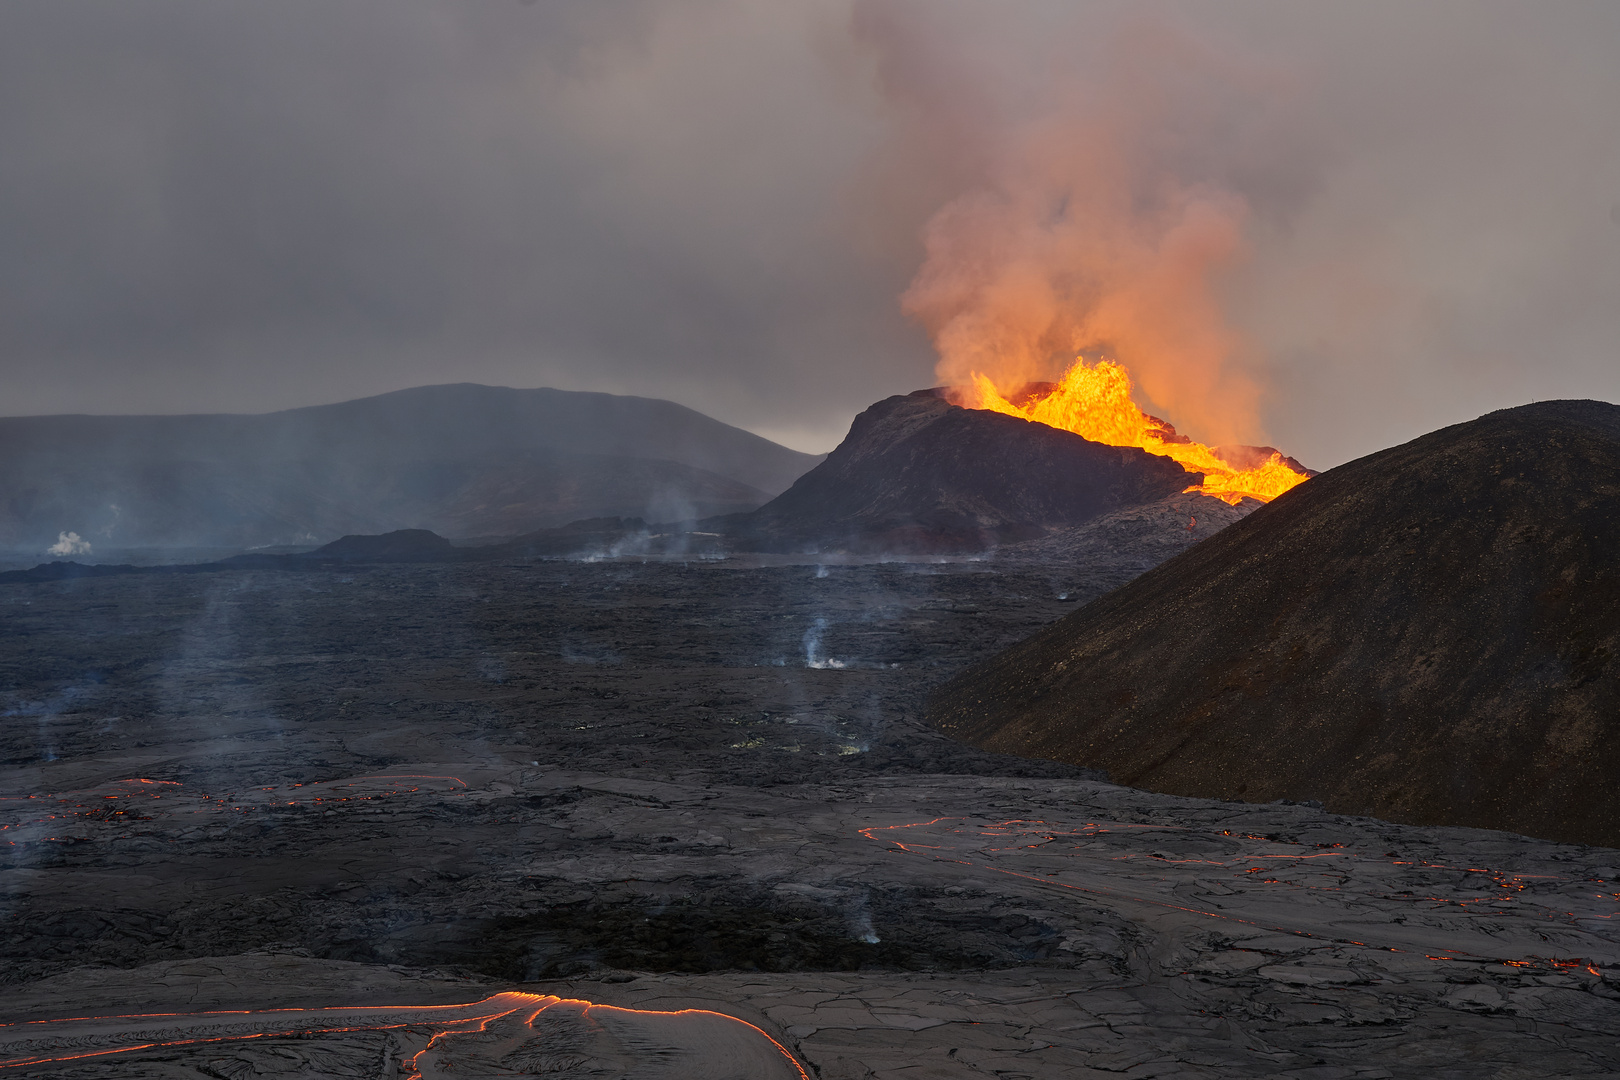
<point x="1094" y="402"/>
<point x="532" y="1005"/>
<point x="438" y="1022"/>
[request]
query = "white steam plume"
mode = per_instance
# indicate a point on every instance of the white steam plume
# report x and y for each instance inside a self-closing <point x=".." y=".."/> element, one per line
<point x="69" y="543"/>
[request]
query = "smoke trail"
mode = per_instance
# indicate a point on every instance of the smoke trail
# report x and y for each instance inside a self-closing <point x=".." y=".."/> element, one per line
<point x="813" y="657"/>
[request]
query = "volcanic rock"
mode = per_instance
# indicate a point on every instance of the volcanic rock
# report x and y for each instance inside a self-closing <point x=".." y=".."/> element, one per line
<point x="401" y="545"/>
<point x="598" y="537"/>
<point x="650" y="785"/>
<point x="1241" y="456"/>
<point x="918" y="474"/>
<point x="1429" y="634"/>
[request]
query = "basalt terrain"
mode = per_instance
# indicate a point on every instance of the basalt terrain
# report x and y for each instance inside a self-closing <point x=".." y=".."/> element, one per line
<point x="1429" y="634"/>
<point x="686" y="818"/>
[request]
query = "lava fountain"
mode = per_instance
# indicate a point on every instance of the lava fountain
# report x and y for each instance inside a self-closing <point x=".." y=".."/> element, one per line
<point x="1094" y="402"/>
<point x="1093" y="229"/>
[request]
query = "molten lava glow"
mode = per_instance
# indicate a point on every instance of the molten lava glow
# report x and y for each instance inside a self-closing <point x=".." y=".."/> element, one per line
<point x="1094" y="402"/>
<point x="448" y="1040"/>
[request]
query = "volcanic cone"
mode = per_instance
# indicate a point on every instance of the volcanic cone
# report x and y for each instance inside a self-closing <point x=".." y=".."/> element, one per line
<point x="1429" y="634"/>
<point x="917" y="473"/>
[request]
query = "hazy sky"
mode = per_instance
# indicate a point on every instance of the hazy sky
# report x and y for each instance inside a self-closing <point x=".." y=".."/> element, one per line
<point x="1349" y="223"/>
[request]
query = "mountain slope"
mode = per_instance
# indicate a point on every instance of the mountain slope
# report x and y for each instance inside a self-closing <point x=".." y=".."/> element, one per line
<point x="1430" y="634"/>
<point x="917" y="473"/>
<point x="461" y="459"/>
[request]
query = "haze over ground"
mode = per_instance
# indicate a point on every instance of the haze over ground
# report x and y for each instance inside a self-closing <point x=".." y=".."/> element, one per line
<point x="673" y="761"/>
<point x="1401" y="215"/>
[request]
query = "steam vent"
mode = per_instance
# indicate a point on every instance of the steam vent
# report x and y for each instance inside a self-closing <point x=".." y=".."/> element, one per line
<point x="1429" y="634"/>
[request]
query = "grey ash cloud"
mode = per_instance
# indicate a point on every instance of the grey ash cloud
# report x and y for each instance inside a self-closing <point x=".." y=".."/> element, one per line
<point x="256" y="206"/>
<point x="260" y="206"/>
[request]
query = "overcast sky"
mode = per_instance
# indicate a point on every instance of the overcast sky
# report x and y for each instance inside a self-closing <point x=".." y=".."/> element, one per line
<point x="1357" y="221"/>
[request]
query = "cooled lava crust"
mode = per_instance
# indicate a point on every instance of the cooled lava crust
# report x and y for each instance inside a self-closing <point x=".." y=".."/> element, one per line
<point x="1428" y="635"/>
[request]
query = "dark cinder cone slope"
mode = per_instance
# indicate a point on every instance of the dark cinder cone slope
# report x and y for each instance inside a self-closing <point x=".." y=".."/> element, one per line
<point x="916" y="473"/>
<point x="1430" y="634"/>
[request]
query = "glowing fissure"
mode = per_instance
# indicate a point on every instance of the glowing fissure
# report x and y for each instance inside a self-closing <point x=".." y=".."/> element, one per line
<point x="1094" y="402"/>
<point x="436" y="1029"/>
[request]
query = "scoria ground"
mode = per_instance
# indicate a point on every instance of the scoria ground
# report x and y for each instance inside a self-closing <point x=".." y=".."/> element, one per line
<point x="663" y="786"/>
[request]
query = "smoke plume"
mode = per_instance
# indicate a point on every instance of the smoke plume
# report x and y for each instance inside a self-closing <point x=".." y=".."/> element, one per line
<point x="1100" y="224"/>
<point x="1368" y="219"/>
<point x="69" y="543"/>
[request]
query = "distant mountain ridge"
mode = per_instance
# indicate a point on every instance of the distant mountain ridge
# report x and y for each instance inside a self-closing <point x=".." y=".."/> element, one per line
<point x="460" y="459"/>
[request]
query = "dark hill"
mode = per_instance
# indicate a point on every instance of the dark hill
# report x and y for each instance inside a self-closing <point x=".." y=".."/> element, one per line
<point x="401" y="545"/>
<point x="916" y="473"/>
<point x="1429" y="634"/>
<point x="463" y="460"/>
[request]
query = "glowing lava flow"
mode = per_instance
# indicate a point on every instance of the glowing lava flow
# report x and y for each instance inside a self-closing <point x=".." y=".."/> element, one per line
<point x="1094" y="402"/>
<point x="510" y="1034"/>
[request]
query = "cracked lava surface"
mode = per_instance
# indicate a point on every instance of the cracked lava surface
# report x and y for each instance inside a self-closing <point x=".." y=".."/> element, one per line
<point x="578" y="802"/>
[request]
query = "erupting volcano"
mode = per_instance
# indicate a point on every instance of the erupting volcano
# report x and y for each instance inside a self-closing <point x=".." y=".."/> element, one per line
<point x="1094" y="402"/>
